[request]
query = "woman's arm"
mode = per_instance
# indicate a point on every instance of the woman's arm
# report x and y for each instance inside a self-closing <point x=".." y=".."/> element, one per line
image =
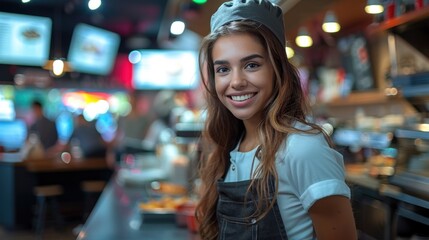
<point x="333" y="219"/>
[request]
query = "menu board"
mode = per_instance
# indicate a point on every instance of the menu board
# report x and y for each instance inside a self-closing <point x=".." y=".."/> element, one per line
<point x="24" y="39"/>
<point x="166" y="69"/>
<point x="93" y="50"/>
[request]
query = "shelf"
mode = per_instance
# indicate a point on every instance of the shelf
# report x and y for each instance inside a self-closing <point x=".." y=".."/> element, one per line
<point x="413" y="16"/>
<point x="362" y="98"/>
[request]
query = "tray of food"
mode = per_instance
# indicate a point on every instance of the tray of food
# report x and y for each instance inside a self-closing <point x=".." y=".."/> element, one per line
<point x="161" y="209"/>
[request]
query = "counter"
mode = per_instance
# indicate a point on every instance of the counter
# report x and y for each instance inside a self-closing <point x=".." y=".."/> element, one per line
<point x="18" y="177"/>
<point x="116" y="216"/>
<point x="373" y="211"/>
<point x="379" y="202"/>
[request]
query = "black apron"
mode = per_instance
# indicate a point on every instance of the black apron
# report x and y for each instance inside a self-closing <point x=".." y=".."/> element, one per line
<point x="234" y="214"/>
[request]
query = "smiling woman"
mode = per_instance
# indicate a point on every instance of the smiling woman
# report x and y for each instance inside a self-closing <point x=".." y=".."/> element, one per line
<point x="242" y="76"/>
<point x="257" y="125"/>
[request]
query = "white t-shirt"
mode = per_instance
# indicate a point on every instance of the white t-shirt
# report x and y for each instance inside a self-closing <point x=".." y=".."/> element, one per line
<point x="308" y="170"/>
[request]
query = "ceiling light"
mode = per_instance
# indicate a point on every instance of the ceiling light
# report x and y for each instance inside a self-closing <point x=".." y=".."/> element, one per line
<point x="374" y="7"/>
<point x="330" y="24"/>
<point x="177" y="27"/>
<point x="94" y="4"/>
<point x="303" y="39"/>
<point x="57" y="67"/>
<point x="289" y="52"/>
<point x="134" y="57"/>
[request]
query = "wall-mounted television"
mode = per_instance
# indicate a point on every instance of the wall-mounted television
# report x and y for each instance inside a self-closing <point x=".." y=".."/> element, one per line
<point x="166" y="69"/>
<point x="93" y="50"/>
<point x="12" y="134"/>
<point x="24" y="39"/>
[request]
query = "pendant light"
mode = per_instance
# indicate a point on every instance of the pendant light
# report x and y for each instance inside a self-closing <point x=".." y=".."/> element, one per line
<point x="374" y="7"/>
<point x="303" y="39"/>
<point x="330" y="23"/>
<point x="58" y="65"/>
<point x="289" y="52"/>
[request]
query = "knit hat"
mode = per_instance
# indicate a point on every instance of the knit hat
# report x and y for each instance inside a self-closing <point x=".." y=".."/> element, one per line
<point x="261" y="11"/>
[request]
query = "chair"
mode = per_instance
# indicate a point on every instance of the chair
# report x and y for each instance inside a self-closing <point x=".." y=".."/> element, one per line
<point x="47" y="198"/>
<point x="92" y="189"/>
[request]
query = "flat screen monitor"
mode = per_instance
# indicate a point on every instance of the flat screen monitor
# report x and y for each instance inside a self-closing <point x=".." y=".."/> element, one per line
<point x="166" y="69"/>
<point x="24" y="39"/>
<point x="93" y="50"/>
<point x="12" y="134"/>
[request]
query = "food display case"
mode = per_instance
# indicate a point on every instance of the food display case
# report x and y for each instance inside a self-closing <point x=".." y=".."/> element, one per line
<point x="369" y="156"/>
<point x="408" y="188"/>
<point x="390" y="189"/>
<point x="413" y="138"/>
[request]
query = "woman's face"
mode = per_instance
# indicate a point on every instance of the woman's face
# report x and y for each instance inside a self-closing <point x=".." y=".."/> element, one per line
<point x="244" y="75"/>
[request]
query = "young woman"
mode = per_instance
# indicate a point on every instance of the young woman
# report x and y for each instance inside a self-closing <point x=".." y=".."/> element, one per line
<point x="271" y="174"/>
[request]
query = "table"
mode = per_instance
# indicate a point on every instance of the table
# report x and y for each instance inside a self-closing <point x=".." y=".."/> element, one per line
<point x="56" y="165"/>
<point x="18" y="177"/>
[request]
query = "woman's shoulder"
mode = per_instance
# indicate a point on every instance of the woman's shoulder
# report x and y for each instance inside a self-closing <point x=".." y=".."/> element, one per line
<point x="308" y="152"/>
<point x="304" y="143"/>
<point x="305" y="134"/>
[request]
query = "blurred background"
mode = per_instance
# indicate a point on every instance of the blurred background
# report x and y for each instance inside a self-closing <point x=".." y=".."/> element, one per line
<point x="101" y="111"/>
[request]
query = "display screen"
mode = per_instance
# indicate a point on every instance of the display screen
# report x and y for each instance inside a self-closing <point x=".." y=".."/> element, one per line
<point x="166" y="69"/>
<point x="12" y="134"/>
<point x="24" y="39"/>
<point x="93" y="50"/>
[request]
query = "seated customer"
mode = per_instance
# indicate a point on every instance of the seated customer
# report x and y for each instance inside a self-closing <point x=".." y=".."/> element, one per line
<point x="86" y="137"/>
<point x="44" y="130"/>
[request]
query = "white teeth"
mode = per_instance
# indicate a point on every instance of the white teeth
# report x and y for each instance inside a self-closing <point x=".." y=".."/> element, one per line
<point x="242" y="97"/>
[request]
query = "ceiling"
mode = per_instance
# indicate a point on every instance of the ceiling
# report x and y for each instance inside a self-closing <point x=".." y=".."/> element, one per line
<point x="141" y="23"/>
<point x="310" y="13"/>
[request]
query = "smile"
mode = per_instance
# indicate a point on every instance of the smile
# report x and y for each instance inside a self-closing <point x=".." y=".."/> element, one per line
<point x="244" y="97"/>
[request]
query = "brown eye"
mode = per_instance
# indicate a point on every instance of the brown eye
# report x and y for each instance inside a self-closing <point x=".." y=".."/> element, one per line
<point x="252" y="65"/>
<point x="222" y="70"/>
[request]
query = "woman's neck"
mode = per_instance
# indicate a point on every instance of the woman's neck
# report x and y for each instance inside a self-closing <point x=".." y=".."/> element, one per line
<point x="250" y="139"/>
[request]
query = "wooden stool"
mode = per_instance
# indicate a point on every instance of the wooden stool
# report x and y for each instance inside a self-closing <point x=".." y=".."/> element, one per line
<point x="46" y="195"/>
<point x="92" y="191"/>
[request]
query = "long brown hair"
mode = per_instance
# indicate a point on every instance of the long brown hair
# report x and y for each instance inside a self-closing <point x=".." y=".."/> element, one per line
<point x="222" y="131"/>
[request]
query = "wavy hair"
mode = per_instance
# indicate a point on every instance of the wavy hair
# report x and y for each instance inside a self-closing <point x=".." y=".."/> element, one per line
<point x="223" y="130"/>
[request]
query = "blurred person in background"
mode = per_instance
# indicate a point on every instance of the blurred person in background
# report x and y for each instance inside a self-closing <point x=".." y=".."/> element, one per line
<point x="86" y="141"/>
<point x="161" y="130"/>
<point x="133" y="127"/>
<point x="43" y="131"/>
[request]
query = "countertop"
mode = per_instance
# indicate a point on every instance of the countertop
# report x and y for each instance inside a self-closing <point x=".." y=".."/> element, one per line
<point x="117" y="216"/>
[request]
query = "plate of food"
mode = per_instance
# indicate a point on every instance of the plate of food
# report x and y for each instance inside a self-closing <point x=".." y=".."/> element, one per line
<point x="162" y="209"/>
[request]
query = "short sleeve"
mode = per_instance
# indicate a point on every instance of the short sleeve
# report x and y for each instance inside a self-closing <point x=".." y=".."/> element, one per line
<point x="316" y="170"/>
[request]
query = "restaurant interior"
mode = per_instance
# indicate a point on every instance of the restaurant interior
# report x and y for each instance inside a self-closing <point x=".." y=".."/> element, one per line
<point x="119" y="81"/>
